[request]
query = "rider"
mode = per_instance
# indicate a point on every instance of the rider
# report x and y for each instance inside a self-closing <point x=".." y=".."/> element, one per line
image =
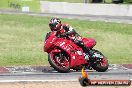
<point x="64" y="30"/>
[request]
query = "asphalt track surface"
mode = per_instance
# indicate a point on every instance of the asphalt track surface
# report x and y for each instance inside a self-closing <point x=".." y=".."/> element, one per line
<point x="117" y="19"/>
<point x="46" y="73"/>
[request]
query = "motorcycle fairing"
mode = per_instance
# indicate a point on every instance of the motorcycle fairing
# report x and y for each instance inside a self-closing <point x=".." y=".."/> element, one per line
<point x="74" y="51"/>
<point x="49" y="42"/>
<point x="89" y="42"/>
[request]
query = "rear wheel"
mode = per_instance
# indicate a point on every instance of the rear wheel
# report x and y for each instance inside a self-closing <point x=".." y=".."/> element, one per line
<point x="100" y="62"/>
<point x="59" y="61"/>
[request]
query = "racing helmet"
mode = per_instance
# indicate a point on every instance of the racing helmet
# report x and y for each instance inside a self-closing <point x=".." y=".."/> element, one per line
<point x="55" y="24"/>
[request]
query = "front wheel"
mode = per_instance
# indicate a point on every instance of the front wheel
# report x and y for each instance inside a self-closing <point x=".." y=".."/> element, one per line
<point x="100" y="62"/>
<point x="59" y="62"/>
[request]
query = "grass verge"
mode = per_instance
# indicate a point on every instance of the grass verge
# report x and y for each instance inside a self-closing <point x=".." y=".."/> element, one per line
<point x="21" y="39"/>
<point x="76" y="1"/>
<point x="34" y="5"/>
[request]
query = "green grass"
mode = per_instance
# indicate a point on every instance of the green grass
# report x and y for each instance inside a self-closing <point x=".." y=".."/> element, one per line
<point x="108" y="1"/>
<point x="34" y="5"/>
<point x="3" y="4"/>
<point x="21" y="39"/>
<point x="72" y="1"/>
<point x="76" y="1"/>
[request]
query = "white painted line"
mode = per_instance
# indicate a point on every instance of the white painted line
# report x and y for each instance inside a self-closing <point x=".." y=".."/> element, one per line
<point x="11" y="81"/>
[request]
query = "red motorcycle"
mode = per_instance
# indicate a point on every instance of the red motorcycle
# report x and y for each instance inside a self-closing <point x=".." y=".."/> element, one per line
<point x="64" y="54"/>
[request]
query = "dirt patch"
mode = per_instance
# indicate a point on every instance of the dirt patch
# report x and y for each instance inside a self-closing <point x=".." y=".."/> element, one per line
<point x="53" y="85"/>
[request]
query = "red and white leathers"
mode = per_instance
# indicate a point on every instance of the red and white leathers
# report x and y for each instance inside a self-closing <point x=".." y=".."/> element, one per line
<point x="67" y="30"/>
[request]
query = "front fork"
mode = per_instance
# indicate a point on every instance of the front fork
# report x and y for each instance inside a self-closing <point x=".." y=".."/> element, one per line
<point x="96" y="57"/>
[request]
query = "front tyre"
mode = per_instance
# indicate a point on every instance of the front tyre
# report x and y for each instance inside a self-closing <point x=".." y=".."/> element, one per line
<point x="100" y="63"/>
<point x="59" y="62"/>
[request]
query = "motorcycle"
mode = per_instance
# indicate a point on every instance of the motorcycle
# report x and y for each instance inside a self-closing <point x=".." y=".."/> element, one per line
<point x="64" y="54"/>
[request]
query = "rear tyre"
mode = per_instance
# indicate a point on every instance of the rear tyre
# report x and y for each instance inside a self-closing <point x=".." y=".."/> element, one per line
<point x="100" y="64"/>
<point x="61" y="64"/>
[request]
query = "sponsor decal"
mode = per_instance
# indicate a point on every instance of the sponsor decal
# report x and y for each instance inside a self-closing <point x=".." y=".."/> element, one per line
<point x="62" y="43"/>
<point x="85" y="81"/>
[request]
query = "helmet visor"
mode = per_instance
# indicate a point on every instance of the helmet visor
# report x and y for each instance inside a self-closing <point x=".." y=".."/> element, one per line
<point x="53" y="25"/>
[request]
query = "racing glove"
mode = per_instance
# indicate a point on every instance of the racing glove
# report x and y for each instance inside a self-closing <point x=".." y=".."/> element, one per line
<point x="64" y="35"/>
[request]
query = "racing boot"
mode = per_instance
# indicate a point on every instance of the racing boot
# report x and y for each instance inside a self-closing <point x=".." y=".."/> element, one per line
<point x="88" y="52"/>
